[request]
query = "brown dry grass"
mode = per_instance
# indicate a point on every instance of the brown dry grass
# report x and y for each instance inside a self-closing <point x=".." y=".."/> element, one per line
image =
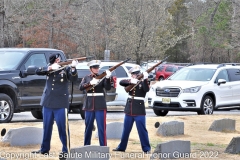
<point x="195" y="129"/>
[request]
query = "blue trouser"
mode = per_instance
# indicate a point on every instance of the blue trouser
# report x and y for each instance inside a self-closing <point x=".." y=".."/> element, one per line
<point x="142" y="132"/>
<point x="100" y="116"/>
<point x="61" y="117"/>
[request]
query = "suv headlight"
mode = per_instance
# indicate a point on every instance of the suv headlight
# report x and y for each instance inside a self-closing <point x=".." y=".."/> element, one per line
<point x="192" y="89"/>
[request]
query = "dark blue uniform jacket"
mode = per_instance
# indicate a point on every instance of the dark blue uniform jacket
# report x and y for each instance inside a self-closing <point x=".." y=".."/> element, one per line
<point x="56" y="94"/>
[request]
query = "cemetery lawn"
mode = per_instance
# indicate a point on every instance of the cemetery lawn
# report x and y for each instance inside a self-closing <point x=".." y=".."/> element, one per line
<point x="204" y="144"/>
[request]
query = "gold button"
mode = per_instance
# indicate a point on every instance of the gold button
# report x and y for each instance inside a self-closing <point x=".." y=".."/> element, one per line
<point x="53" y="84"/>
<point x="52" y="88"/>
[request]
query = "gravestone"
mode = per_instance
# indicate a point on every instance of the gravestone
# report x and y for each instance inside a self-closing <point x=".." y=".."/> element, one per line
<point x="234" y="146"/>
<point x="23" y="136"/>
<point x="89" y="152"/>
<point x="171" y="128"/>
<point x="114" y="130"/>
<point x="172" y="150"/>
<point x="223" y="125"/>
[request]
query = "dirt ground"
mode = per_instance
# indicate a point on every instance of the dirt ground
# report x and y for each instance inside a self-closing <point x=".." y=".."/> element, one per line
<point x="204" y="144"/>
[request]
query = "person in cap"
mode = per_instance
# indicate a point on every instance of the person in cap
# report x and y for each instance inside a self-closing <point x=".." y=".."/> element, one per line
<point x="95" y="104"/>
<point x="135" y="110"/>
<point x="55" y="102"/>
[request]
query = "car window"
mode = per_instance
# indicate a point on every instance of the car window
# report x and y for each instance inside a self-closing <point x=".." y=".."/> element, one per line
<point x="222" y="75"/>
<point x="169" y="69"/>
<point x="37" y="60"/>
<point x="175" y="69"/>
<point x="160" y="68"/>
<point x="128" y="67"/>
<point x="234" y="74"/>
<point x="180" y="67"/>
<point x="120" y="72"/>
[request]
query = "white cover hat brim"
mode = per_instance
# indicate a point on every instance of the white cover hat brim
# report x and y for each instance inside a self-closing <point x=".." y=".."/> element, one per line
<point x="94" y="63"/>
<point x="134" y="69"/>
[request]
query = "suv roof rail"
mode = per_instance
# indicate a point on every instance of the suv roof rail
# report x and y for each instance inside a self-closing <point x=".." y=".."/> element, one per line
<point x="199" y="63"/>
<point x="224" y="64"/>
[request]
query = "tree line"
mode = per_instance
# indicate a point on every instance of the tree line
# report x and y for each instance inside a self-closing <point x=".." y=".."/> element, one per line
<point x="188" y="30"/>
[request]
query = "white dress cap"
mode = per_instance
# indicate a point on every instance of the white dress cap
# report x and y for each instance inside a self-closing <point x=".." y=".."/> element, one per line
<point x="94" y="63"/>
<point x="134" y="69"/>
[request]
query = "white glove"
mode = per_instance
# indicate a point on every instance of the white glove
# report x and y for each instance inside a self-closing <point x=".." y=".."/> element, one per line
<point x="94" y="81"/>
<point x="134" y="80"/>
<point x="55" y="66"/>
<point x="145" y="75"/>
<point x="74" y="63"/>
<point x="108" y="73"/>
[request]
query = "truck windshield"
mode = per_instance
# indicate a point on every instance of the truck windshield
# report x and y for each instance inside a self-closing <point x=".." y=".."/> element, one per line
<point x="10" y="60"/>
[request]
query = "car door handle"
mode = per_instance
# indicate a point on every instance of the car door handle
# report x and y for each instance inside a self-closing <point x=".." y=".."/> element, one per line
<point x="15" y="77"/>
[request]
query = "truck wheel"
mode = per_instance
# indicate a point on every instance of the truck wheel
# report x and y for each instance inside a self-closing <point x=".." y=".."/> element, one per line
<point x="75" y="110"/>
<point x="37" y="114"/>
<point x="6" y="108"/>
<point x="160" y="112"/>
<point x="207" y="106"/>
<point x="82" y="112"/>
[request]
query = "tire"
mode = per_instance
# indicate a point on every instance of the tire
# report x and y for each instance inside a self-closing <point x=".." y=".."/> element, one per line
<point x="160" y="112"/>
<point x="37" y="114"/>
<point x="207" y="106"/>
<point x="82" y="112"/>
<point x="6" y="108"/>
<point x="161" y="79"/>
<point x="75" y="110"/>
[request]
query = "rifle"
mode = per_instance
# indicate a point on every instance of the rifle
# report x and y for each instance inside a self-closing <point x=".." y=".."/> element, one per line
<point x="64" y="64"/>
<point x="140" y="76"/>
<point x="103" y="75"/>
<point x="77" y="59"/>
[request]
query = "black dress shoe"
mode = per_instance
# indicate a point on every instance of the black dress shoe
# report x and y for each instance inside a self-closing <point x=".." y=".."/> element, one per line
<point x="147" y="152"/>
<point x="40" y="152"/>
<point x="118" y="150"/>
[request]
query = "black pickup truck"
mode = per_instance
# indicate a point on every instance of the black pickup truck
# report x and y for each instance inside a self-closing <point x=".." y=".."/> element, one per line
<point x="20" y="92"/>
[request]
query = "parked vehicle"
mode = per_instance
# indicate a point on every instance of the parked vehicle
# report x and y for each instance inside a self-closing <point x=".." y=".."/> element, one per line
<point x="200" y="88"/>
<point x="20" y="92"/>
<point x="164" y="71"/>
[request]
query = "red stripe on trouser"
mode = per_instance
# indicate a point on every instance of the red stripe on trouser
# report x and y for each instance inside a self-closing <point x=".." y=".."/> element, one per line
<point x="105" y="134"/>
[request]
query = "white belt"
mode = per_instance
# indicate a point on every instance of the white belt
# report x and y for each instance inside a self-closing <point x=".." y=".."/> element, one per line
<point x="94" y="94"/>
<point x="138" y="98"/>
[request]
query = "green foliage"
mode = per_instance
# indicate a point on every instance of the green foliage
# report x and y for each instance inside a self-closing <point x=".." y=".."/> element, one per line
<point x="210" y="144"/>
<point x="214" y="35"/>
<point x="177" y="24"/>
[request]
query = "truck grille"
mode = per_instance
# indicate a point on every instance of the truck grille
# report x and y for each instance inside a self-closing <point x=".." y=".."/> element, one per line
<point x="167" y="92"/>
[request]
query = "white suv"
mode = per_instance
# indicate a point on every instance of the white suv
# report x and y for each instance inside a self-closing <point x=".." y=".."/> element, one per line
<point x="201" y="88"/>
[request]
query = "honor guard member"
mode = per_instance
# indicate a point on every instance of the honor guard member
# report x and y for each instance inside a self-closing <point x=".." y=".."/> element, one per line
<point x="95" y="104"/>
<point x="135" y="110"/>
<point x="55" y="102"/>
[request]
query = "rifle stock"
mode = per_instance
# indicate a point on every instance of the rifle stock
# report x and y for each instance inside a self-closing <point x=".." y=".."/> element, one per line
<point x="101" y="76"/>
<point x="140" y="76"/>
